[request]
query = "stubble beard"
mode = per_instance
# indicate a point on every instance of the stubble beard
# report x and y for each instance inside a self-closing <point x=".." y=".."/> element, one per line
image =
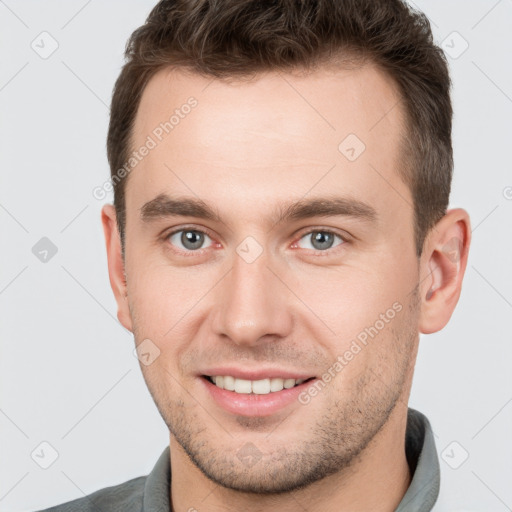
<point x="333" y="445"/>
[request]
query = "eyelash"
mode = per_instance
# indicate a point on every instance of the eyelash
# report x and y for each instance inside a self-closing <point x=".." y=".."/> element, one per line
<point x="317" y="252"/>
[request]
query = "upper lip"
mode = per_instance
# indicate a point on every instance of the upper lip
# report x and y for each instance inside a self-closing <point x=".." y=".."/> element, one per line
<point x="255" y="374"/>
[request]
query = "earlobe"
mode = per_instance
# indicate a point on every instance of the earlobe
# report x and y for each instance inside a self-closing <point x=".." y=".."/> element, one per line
<point x="443" y="264"/>
<point x="116" y="266"/>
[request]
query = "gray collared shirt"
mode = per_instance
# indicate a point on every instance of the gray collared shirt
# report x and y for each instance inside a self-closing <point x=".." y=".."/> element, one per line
<point x="151" y="493"/>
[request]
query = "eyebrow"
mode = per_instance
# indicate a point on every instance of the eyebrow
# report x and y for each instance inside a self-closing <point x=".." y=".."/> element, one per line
<point x="164" y="206"/>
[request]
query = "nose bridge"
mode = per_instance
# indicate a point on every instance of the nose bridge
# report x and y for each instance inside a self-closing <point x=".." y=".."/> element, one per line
<point x="252" y="301"/>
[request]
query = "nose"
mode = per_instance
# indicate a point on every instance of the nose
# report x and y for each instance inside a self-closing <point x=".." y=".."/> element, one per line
<point x="252" y="303"/>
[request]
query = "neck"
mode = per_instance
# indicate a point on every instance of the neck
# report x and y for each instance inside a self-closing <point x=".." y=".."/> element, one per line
<point x="376" y="481"/>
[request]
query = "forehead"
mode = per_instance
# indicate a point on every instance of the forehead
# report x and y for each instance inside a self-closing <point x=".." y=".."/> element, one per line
<point x="277" y="135"/>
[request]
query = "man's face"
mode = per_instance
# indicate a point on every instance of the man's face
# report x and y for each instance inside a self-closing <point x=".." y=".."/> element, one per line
<point x="252" y="297"/>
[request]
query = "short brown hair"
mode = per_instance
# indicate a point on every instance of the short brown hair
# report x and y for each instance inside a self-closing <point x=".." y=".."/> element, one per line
<point x="239" y="38"/>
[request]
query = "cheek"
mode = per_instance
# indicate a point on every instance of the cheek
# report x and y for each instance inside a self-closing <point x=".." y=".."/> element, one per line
<point x="166" y="306"/>
<point x="349" y="299"/>
<point x="159" y="293"/>
<point x="376" y="359"/>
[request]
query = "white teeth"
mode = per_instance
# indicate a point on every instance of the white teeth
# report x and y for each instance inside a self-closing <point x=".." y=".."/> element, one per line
<point x="276" y="384"/>
<point x="229" y="383"/>
<point x="261" y="387"/>
<point x="258" y="387"/>
<point x="243" y="386"/>
<point x="289" y="383"/>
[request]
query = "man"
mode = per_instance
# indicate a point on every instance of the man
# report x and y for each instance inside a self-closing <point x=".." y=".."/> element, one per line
<point x="279" y="239"/>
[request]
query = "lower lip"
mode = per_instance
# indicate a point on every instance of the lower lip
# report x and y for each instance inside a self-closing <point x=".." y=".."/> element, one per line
<point x="253" y="405"/>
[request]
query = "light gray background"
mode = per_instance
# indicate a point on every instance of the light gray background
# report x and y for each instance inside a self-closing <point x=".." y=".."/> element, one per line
<point x="68" y="375"/>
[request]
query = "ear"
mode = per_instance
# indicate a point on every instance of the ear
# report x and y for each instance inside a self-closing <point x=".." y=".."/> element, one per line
<point x="116" y="264"/>
<point x="443" y="262"/>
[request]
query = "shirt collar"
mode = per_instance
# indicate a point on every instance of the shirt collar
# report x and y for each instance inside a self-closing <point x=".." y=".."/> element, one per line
<point x="423" y="462"/>
<point x="158" y="485"/>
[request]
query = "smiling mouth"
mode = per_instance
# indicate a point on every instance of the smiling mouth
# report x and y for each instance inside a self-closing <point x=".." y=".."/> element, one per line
<point x="256" y="387"/>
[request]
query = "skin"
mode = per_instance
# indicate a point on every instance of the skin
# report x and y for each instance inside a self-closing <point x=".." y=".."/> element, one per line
<point x="247" y="149"/>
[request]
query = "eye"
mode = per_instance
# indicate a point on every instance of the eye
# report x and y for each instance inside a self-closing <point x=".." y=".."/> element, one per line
<point x="190" y="239"/>
<point x="320" y="240"/>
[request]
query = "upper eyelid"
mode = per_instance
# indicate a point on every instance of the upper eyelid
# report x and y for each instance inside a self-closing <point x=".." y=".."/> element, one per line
<point x="167" y="234"/>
